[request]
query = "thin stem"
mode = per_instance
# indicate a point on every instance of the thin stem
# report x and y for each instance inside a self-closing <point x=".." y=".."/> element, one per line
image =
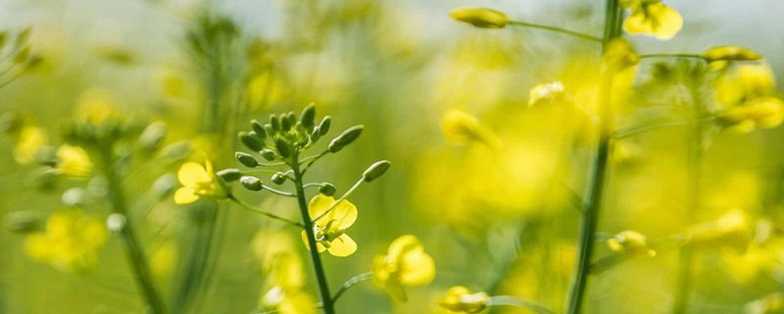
<point x="276" y="191"/>
<point x="351" y="282"/>
<point x="342" y="198"/>
<point x="557" y="30"/>
<point x="593" y="201"/>
<point x="134" y="251"/>
<point x="506" y="300"/>
<point x="249" y="207"/>
<point x="672" y="55"/>
<point x="318" y="266"/>
<point x="313" y="185"/>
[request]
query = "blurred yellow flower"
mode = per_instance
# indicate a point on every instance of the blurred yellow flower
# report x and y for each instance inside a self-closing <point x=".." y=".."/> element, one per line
<point x="70" y="241"/>
<point x="630" y="242"/>
<point x="405" y="264"/>
<point x="163" y="259"/>
<point x="719" y="57"/>
<point x="265" y="88"/>
<point x="279" y="260"/>
<point x="73" y="161"/>
<point x="29" y="142"/>
<point x="480" y="17"/>
<point x="197" y="181"/>
<point x="96" y="106"/>
<point x="731" y="229"/>
<point x="331" y="229"/>
<point x="652" y="18"/>
<point x="547" y="92"/>
<point x="747" y="98"/>
<point x="289" y="301"/>
<point x="462" y="128"/>
<point x="459" y="299"/>
<point x="770" y="304"/>
<point x="762" y="112"/>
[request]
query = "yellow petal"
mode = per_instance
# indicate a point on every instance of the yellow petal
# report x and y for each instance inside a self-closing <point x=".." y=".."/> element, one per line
<point x="417" y="268"/>
<point x="344" y="214"/>
<point x="192" y="173"/>
<point x="668" y="22"/>
<point x="342" y="246"/>
<point x="321" y="247"/>
<point x="185" y="195"/>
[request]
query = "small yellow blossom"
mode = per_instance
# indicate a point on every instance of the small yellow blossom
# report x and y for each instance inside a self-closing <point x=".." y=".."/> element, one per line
<point x="163" y="259"/>
<point x="278" y="258"/>
<point x="462" y="128"/>
<point x="197" y="181"/>
<point x="547" y="92"/>
<point x="96" y="107"/>
<point x="288" y="301"/>
<point x="730" y="53"/>
<point x="28" y="143"/>
<point x="405" y="264"/>
<point x="762" y="112"/>
<point x="73" y="161"/>
<point x="747" y="98"/>
<point x="459" y="299"/>
<point x="630" y="242"/>
<point x="71" y="240"/>
<point x="331" y="229"/>
<point x="731" y="229"/>
<point x="652" y="18"/>
<point x="480" y="17"/>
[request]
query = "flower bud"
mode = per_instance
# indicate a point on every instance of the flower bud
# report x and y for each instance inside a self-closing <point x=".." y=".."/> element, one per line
<point x="74" y="197"/>
<point x="285" y="123"/>
<point x="324" y="125"/>
<point x="22" y="221"/>
<point x="251" y="141"/>
<point x="116" y="222"/>
<point x="347" y="137"/>
<point x="268" y="129"/>
<point x="308" y="117"/>
<point x="480" y="17"/>
<point x="230" y="174"/>
<point x="258" y="127"/>
<point x="315" y="135"/>
<point x="251" y="183"/>
<point x="246" y="159"/>
<point x="282" y="147"/>
<point x="274" y="122"/>
<point x="730" y="53"/>
<point x="376" y="170"/>
<point x="278" y="178"/>
<point x="152" y="136"/>
<point x="267" y="154"/>
<point x="164" y="185"/>
<point x="292" y="117"/>
<point x="327" y="189"/>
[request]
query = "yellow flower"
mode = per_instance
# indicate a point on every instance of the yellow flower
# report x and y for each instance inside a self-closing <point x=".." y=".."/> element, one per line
<point x="730" y="53"/>
<point x="762" y="112"/>
<point x="279" y="260"/>
<point x="480" y="17"/>
<point x="163" y="259"/>
<point x="289" y="301"/>
<point x="459" y="299"/>
<point x="73" y="161"/>
<point x="731" y="229"/>
<point x="462" y="128"/>
<point x="70" y="240"/>
<point x="197" y="181"/>
<point x="28" y="143"/>
<point x="331" y="229"/>
<point x="96" y="107"/>
<point x="652" y="18"/>
<point x="745" y="82"/>
<point x="630" y="242"/>
<point x="405" y="264"/>
<point x="547" y="92"/>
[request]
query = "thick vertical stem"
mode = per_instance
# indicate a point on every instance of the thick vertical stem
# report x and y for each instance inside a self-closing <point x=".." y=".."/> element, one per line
<point x="307" y="221"/>
<point x="596" y="184"/>
<point x="686" y="254"/>
<point x="134" y="251"/>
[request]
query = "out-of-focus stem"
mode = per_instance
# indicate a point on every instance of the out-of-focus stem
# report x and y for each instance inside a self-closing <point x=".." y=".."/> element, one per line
<point x="686" y="255"/>
<point x="596" y="184"/>
<point x="318" y="266"/>
<point x="556" y="30"/>
<point x="134" y="251"/>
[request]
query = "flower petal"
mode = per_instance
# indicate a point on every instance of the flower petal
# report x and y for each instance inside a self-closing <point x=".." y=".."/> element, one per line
<point x="417" y="268"/>
<point x="192" y="173"/>
<point x="185" y="195"/>
<point x="321" y="247"/>
<point x="342" y="246"/>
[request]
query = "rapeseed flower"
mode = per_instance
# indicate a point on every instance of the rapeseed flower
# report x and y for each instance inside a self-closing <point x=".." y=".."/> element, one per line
<point x="70" y="240"/>
<point x="331" y="229"/>
<point x="460" y="299"/>
<point x="29" y="142"/>
<point x="462" y="128"/>
<point x="73" y="161"/>
<point x="652" y="18"/>
<point x="480" y="17"/>
<point x="198" y="180"/>
<point x="630" y="242"/>
<point x="747" y="98"/>
<point x="405" y="264"/>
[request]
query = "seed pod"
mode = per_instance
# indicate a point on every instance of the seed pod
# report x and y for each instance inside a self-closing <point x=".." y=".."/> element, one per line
<point x="274" y="122"/>
<point x="282" y="147"/>
<point x="246" y="159"/>
<point x="278" y="178"/>
<point x="230" y="174"/>
<point x="251" y="183"/>
<point x="251" y="141"/>
<point x="324" y="125"/>
<point x="308" y="117"/>
<point x="347" y="137"/>
<point x="376" y="170"/>
<point x="258" y="127"/>
<point x="267" y="154"/>
<point x="327" y="189"/>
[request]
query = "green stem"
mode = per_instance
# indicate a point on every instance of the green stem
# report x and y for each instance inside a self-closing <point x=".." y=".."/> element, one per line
<point x="596" y="185"/>
<point x="686" y="254"/>
<point x="134" y="251"/>
<point x="249" y="207"/>
<point x="351" y="282"/>
<point x="672" y="55"/>
<point x="318" y="266"/>
<point x="556" y="30"/>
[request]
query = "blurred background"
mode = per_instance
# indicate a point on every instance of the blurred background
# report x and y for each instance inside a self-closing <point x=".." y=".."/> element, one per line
<point x="496" y="214"/>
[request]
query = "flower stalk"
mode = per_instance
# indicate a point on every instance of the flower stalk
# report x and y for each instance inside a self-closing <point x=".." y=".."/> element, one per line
<point x="593" y="201"/>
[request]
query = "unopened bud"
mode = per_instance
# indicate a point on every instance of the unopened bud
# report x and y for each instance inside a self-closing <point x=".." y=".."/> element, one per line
<point x="347" y="137"/>
<point x="251" y="183"/>
<point x="278" y="178"/>
<point x="152" y="136"/>
<point x="230" y="174"/>
<point x="258" y="127"/>
<point x="323" y="127"/>
<point x="308" y="117"/>
<point x="267" y="154"/>
<point x="480" y="17"/>
<point x="376" y="170"/>
<point x="274" y="122"/>
<point x="251" y="141"/>
<point x="282" y="147"/>
<point x="246" y="159"/>
<point x="327" y="189"/>
<point x="22" y="221"/>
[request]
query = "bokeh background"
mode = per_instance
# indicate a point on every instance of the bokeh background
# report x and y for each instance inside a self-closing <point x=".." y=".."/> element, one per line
<point x="500" y="220"/>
